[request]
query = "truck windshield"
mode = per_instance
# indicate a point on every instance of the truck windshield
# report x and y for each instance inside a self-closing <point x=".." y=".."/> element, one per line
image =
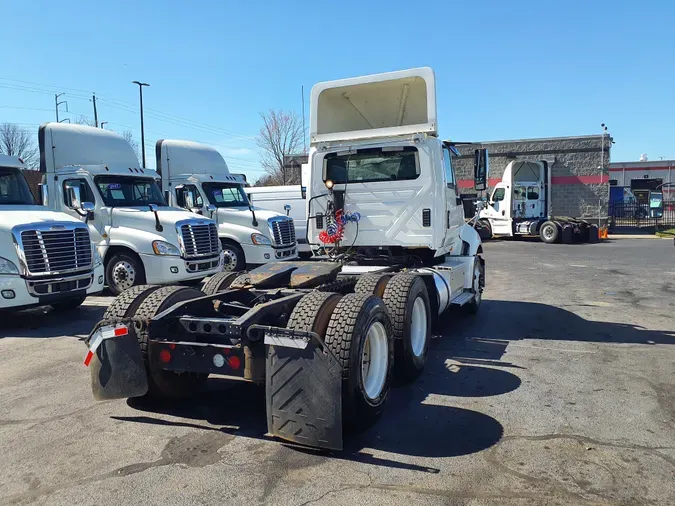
<point x="123" y="191"/>
<point x="373" y="164"/>
<point x="226" y="194"/>
<point x="14" y="189"/>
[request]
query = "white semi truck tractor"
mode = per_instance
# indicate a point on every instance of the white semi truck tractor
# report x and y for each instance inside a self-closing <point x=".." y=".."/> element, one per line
<point x="94" y="176"/>
<point x="324" y="336"/>
<point x="46" y="257"/>
<point x="196" y="177"/>
<point x="521" y="204"/>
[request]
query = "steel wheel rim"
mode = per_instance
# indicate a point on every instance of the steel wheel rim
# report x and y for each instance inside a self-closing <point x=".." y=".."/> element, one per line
<point x="230" y="260"/>
<point x="548" y="232"/>
<point x="123" y="275"/>
<point x="418" y="327"/>
<point x="374" y="361"/>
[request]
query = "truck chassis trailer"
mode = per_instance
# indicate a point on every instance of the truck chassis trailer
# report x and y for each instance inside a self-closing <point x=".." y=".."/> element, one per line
<point x="323" y="338"/>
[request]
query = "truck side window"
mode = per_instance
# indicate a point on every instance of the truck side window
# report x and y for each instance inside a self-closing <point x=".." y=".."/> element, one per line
<point x="86" y="193"/>
<point x="449" y="172"/>
<point x="532" y="193"/>
<point x="188" y="188"/>
<point x="498" y="195"/>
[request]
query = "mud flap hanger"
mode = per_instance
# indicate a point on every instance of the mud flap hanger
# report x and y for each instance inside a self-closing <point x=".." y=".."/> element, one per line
<point x="303" y="383"/>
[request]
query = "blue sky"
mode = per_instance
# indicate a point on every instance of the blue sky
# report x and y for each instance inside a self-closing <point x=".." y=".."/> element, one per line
<point x="504" y="70"/>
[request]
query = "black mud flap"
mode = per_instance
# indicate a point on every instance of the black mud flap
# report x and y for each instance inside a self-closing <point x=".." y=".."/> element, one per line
<point x="117" y="369"/>
<point x="304" y="390"/>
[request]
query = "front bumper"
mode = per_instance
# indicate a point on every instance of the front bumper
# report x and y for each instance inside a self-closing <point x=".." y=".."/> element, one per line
<point x="171" y="269"/>
<point x="264" y="254"/>
<point x="18" y="293"/>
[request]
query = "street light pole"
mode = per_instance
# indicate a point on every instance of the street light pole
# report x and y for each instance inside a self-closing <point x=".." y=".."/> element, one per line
<point x="140" y="90"/>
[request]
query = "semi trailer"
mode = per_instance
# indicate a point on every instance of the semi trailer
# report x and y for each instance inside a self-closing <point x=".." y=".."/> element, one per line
<point x="521" y="205"/>
<point x="196" y="177"/>
<point x="94" y="176"/>
<point x="324" y="336"/>
<point x="46" y="257"/>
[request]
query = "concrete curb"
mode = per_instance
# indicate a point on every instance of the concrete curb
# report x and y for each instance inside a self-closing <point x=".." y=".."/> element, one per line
<point x="636" y="236"/>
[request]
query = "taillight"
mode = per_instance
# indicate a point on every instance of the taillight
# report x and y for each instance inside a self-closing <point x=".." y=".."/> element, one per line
<point x="165" y="356"/>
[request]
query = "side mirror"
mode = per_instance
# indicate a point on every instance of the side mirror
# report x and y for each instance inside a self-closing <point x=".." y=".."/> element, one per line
<point x="74" y="197"/>
<point x="153" y="207"/>
<point x="88" y="207"/>
<point x="211" y="208"/>
<point x="480" y="169"/>
<point x="287" y="208"/>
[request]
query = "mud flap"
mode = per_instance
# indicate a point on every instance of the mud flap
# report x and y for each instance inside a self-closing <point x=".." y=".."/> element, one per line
<point x="117" y="366"/>
<point x="303" y="390"/>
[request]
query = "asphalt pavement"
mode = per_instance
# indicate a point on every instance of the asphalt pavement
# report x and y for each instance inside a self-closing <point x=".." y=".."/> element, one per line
<point x="560" y="391"/>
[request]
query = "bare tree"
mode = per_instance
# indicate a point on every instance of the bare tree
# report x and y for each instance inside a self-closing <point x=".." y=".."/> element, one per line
<point x="129" y="137"/>
<point x="84" y="120"/>
<point x="280" y="135"/>
<point x="15" y="141"/>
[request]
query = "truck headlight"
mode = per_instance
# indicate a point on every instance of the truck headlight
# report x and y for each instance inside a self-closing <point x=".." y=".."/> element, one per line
<point x="165" y="248"/>
<point x="260" y="240"/>
<point x="7" y="267"/>
<point x="95" y="255"/>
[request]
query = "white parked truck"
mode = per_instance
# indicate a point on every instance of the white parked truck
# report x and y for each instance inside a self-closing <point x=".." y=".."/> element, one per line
<point x="93" y="175"/>
<point x="290" y="200"/>
<point x="196" y="177"/>
<point x="325" y="336"/>
<point x="521" y="205"/>
<point x="46" y="257"/>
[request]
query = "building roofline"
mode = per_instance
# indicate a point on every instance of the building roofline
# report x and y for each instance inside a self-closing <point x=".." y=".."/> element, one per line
<point x="572" y="137"/>
<point x="647" y="164"/>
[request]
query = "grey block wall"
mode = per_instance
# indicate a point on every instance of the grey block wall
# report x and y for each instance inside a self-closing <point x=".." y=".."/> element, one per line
<point x="569" y="158"/>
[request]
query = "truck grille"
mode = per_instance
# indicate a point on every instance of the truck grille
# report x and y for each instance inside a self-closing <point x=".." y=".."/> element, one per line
<point x="54" y="251"/>
<point x="283" y="232"/>
<point x="200" y="240"/>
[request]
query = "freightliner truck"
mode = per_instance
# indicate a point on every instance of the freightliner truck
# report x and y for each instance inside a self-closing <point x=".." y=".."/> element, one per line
<point x="46" y="257"/>
<point x="324" y="336"/>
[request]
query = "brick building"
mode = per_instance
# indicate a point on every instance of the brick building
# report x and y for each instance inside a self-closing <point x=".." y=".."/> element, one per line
<point x="641" y="177"/>
<point x="33" y="178"/>
<point x="579" y="170"/>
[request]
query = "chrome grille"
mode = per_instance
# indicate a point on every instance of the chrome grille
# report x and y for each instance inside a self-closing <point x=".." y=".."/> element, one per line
<point x="56" y="251"/>
<point x="200" y="240"/>
<point x="283" y="232"/>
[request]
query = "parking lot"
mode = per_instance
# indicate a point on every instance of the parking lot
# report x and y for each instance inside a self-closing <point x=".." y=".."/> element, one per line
<point x="560" y="391"/>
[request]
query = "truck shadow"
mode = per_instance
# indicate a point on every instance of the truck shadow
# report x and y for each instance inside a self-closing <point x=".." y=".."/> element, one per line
<point x="43" y="322"/>
<point x="441" y="430"/>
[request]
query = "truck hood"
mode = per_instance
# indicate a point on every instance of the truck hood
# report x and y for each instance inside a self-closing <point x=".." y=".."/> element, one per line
<point x="143" y="219"/>
<point x="242" y="216"/>
<point x="10" y="216"/>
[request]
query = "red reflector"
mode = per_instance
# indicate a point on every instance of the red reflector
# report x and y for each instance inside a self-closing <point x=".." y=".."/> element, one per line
<point x="226" y="351"/>
<point x="165" y="356"/>
<point x="234" y="362"/>
<point x="172" y="346"/>
<point x="87" y="359"/>
<point x="121" y="331"/>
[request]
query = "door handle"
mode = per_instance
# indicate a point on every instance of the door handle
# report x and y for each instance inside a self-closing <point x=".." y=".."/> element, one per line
<point x="503" y="212"/>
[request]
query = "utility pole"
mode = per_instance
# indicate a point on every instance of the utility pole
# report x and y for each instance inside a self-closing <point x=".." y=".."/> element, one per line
<point x="93" y="99"/>
<point x="140" y="90"/>
<point x="56" y="101"/>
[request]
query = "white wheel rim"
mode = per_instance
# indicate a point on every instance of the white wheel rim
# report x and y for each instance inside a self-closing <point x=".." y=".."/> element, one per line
<point x="374" y="360"/>
<point x="548" y="233"/>
<point x="123" y="275"/>
<point x="229" y="260"/>
<point x="418" y="327"/>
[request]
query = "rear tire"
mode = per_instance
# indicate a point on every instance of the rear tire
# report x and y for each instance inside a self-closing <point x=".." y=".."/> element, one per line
<point x="163" y="383"/>
<point x="408" y="303"/>
<point x="549" y="232"/>
<point x="126" y="303"/>
<point x="313" y="312"/>
<point x="68" y="304"/>
<point x="567" y="234"/>
<point x="124" y="271"/>
<point x="234" y="259"/>
<point x="374" y="284"/>
<point x="220" y="282"/>
<point x="360" y="335"/>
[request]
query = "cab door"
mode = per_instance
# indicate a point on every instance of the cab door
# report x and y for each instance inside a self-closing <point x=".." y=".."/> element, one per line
<point x="454" y="215"/>
<point x="499" y="207"/>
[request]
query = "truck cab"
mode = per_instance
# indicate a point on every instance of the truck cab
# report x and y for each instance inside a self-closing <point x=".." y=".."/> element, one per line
<point x="46" y="257"/>
<point x="376" y="154"/>
<point x="196" y="177"/>
<point x="94" y="176"/>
